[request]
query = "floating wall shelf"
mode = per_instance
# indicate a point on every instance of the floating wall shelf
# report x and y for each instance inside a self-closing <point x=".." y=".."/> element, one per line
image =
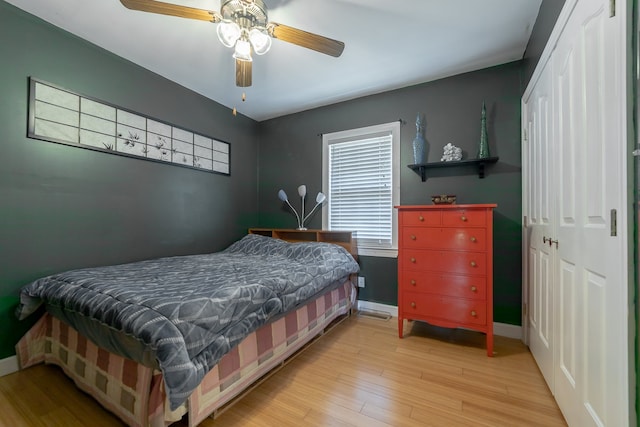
<point x="421" y="169"/>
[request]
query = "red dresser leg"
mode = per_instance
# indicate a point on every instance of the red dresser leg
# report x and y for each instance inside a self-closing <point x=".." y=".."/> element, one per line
<point x="490" y="344"/>
<point x="400" y="326"/>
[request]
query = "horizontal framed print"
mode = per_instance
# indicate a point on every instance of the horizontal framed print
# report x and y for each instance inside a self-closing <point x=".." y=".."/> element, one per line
<point x="61" y="116"/>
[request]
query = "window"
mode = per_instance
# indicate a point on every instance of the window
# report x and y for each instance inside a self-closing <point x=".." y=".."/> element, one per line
<point x="361" y="178"/>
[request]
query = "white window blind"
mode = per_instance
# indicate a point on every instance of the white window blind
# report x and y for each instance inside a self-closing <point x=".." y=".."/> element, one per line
<point x="360" y="186"/>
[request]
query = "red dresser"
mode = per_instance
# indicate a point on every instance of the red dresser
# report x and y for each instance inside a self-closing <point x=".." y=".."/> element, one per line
<point x="445" y="266"/>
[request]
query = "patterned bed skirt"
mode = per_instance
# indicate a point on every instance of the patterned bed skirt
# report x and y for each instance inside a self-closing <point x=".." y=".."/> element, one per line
<point x="136" y="394"/>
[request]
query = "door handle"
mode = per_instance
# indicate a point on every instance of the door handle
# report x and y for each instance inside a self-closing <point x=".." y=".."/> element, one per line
<point x="550" y="241"/>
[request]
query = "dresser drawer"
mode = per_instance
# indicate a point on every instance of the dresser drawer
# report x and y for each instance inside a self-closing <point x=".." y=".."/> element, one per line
<point x="445" y="308"/>
<point x="470" y="287"/>
<point x="421" y="218"/>
<point x="464" y="218"/>
<point x="464" y="239"/>
<point x="472" y="263"/>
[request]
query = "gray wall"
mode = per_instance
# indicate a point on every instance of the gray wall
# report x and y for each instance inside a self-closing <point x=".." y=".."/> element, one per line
<point x="290" y="154"/>
<point x="547" y="17"/>
<point x="65" y="207"/>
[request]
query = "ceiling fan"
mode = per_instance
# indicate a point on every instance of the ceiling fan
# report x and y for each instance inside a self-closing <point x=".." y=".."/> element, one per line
<point x="243" y="25"/>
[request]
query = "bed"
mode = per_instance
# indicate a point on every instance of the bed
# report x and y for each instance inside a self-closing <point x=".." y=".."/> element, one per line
<point x="154" y="340"/>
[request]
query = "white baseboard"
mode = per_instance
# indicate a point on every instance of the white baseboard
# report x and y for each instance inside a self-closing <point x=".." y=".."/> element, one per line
<point x="8" y="366"/>
<point x="374" y="306"/>
<point x="507" y="330"/>
<point x="502" y="329"/>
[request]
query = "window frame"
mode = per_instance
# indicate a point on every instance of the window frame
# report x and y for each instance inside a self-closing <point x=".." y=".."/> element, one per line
<point x="357" y="135"/>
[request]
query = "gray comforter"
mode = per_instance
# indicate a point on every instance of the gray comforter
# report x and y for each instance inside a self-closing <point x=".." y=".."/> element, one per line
<point x="191" y="310"/>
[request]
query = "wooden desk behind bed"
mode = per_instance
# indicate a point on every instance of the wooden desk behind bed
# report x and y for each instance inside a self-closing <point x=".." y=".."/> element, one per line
<point x="346" y="239"/>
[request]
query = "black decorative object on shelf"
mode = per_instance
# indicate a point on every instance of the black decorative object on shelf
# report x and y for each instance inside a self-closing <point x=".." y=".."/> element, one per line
<point x="421" y="169"/>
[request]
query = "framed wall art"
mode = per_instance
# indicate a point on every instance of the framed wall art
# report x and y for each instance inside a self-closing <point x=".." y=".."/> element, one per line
<point x="64" y="117"/>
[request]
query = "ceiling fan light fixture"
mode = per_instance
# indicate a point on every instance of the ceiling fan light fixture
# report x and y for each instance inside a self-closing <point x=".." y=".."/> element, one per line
<point x="228" y="33"/>
<point x="244" y="26"/>
<point x="243" y="50"/>
<point x="260" y="40"/>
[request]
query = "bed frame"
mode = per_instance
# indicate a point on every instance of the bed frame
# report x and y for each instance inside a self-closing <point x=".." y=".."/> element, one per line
<point x="136" y="393"/>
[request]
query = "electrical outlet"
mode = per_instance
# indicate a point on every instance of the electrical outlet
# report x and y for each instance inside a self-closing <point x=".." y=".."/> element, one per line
<point x="360" y="281"/>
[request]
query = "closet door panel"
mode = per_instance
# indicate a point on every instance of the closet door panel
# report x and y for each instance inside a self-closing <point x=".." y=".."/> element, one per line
<point x="587" y="370"/>
<point x="567" y="126"/>
<point x="545" y="159"/>
<point x="544" y="299"/>
<point x="540" y="210"/>
<point x="569" y="138"/>
<point x="594" y="151"/>
<point x="568" y="321"/>
<point x="571" y="148"/>
<point x="595" y="379"/>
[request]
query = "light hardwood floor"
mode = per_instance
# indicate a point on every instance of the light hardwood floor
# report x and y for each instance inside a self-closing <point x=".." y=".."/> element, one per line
<point x="358" y="374"/>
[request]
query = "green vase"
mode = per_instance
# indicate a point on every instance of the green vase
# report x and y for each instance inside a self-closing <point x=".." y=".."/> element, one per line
<point x="483" y="147"/>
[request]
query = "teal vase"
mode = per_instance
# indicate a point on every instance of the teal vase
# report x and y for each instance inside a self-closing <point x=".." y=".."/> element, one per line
<point x="483" y="147"/>
<point x="419" y="143"/>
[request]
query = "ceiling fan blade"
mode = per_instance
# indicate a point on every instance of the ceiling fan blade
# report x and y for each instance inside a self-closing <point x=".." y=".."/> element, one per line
<point x="243" y="73"/>
<point x="305" y="39"/>
<point x="171" y="9"/>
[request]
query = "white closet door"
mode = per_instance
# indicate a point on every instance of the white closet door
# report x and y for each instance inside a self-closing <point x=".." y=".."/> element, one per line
<point x="539" y="195"/>
<point x="575" y="168"/>
<point x="591" y="355"/>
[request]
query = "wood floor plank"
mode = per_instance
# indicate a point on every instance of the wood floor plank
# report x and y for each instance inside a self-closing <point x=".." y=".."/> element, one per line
<point x="304" y="389"/>
<point x="407" y="362"/>
<point x="390" y="417"/>
<point x="413" y="393"/>
<point x="321" y="418"/>
<point x="506" y="416"/>
<point x="358" y="374"/>
<point x="437" y="417"/>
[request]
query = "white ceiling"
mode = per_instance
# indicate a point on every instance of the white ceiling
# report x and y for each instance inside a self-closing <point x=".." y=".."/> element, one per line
<point x="389" y="45"/>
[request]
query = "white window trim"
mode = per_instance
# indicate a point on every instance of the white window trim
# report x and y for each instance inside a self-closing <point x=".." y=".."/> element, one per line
<point x="334" y="137"/>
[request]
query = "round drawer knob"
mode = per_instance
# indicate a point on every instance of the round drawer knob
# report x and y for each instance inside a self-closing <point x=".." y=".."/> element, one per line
<point x="413" y="282"/>
<point x="474" y="289"/>
<point x="473" y="313"/>
<point x="413" y="260"/>
<point x="473" y="239"/>
<point x="413" y="237"/>
<point x="421" y="218"/>
<point x="463" y="218"/>
<point x="473" y="264"/>
<point x="413" y="304"/>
